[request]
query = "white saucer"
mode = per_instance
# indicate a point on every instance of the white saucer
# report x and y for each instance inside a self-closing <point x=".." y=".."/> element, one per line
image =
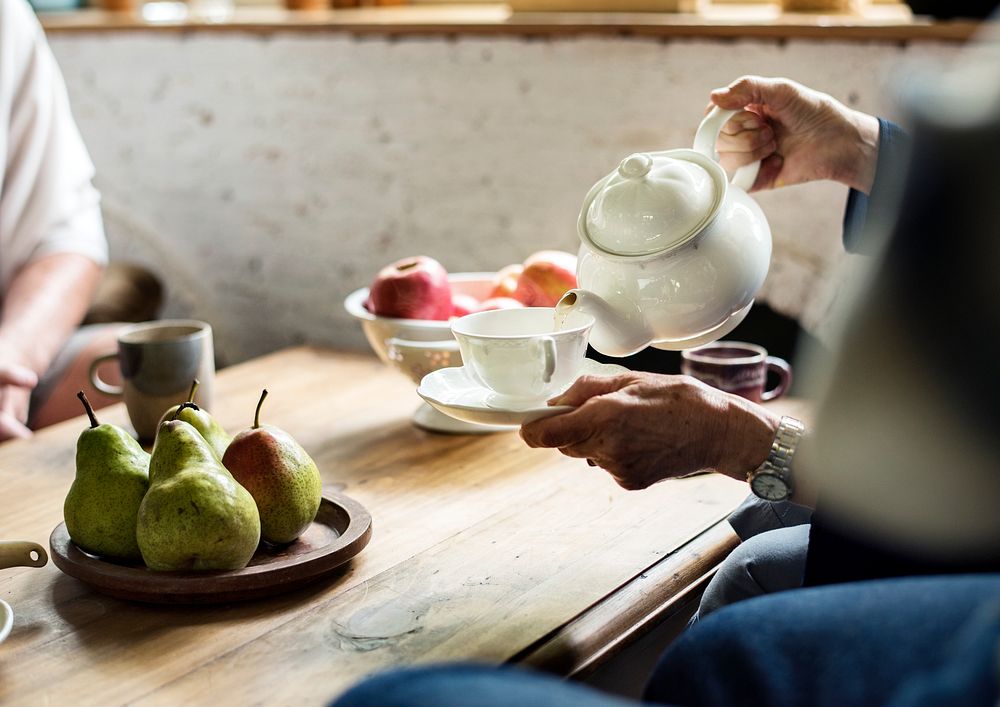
<point x="453" y="392"/>
<point x="6" y="620"/>
<point x="427" y="418"/>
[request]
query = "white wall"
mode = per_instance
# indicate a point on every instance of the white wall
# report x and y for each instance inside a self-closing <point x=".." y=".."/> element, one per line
<point x="265" y="177"/>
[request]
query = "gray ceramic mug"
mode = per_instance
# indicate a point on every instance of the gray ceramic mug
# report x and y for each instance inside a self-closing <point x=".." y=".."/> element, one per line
<point x="159" y="360"/>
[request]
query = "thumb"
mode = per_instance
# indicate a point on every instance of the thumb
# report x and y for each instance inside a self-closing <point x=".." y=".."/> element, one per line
<point x="744" y="91"/>
<point x="587" y="387"/>
<point x="20" y="376"/>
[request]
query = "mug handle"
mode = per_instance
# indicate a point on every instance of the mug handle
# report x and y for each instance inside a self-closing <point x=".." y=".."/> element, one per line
<point x="549" y="352"/>
<point x="784" y="371"/>
<point x="704" y="142"/>
<point x="95" y="380"/>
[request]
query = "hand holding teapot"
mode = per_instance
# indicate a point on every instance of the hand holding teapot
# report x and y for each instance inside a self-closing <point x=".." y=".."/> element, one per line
<point x="798" y="133"/>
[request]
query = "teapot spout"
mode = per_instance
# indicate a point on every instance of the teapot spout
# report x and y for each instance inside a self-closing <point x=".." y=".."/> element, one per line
<point x="619" y="329"/>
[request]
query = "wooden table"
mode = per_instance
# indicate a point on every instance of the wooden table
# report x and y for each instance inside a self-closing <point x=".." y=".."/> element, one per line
<point x="482" y="549"/>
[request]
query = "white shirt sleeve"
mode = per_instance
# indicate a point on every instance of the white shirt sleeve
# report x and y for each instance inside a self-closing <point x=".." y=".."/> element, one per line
<point x="47" y="201"/>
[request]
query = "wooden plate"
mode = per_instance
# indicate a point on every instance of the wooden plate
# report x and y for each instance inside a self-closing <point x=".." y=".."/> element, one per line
<point x="341" y="530"/>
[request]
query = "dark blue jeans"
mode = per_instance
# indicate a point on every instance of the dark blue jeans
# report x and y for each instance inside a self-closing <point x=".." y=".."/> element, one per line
<point x="902" y="642"/>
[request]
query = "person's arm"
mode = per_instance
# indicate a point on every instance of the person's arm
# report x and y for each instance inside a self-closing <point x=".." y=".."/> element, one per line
<point x="643" y="428"/>
<point x="52" y="245"/>
<point x="44" y="304"/>
<point x="801" y="135"/>
<point x="878" y="202"/>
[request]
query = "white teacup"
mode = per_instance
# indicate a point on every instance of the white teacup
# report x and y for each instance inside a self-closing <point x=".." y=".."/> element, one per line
<point x="522" y="355"/>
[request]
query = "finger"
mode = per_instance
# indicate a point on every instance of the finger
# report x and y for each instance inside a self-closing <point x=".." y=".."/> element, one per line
<point x="735" y="160"/>
<point x="556" y="431"/>
<point x="743" y="120"/>
<point x="7" y="401"/>
<point x="737" y="94"/>
<point x="587" y="387"/>
<point x="748" y="90"/>
<point x="11" y="428"/>
<point x="746" y="140"/>
<point x="575" y="451"/>
<point x="13" y="374"/>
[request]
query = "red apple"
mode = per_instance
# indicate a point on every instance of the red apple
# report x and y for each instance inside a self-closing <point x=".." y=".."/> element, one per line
<point x="411" y="288"/>
<point x="506" y="281"/>
<point x="546" y="277"/>
<point x="462" y="304"/>
<point x="498" y="303"/>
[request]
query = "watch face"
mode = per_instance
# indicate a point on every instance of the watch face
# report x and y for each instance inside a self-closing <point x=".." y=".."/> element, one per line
<point x="769" y="487"/>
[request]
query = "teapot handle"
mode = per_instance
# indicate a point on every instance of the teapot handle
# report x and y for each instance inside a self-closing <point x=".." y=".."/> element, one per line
<point x="704" y="142"/>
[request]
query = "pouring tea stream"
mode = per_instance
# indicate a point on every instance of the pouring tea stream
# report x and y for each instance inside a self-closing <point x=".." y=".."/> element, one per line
<point x="672" y="254"/>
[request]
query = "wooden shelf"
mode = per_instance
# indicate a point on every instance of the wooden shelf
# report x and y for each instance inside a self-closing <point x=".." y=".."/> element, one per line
<point x="886" y="22"/>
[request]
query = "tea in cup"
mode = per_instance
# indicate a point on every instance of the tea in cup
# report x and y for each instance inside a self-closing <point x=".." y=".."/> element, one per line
<point x="159" y="360"/>
<point x="523" y="355"/>
<point x="737" y="367"/>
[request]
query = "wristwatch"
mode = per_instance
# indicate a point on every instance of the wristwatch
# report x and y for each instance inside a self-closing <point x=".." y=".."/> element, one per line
<point x="772" y="480"/>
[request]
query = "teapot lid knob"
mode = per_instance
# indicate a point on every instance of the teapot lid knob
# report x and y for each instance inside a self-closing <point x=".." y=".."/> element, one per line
<point x="635" y="166"/>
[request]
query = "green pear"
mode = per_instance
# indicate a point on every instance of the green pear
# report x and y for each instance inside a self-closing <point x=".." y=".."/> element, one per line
<point x="194" y="516"/>
<point x="279" y="474"/>
<point x="201" y="420"/>
<point x="112" y="476"/>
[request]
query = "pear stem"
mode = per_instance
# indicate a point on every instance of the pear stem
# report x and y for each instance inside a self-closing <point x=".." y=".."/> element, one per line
<point x="89" y="408"/>
<point x="256" y="414"/>
<point x="181" y="407"/>
<point x="194" y="386"/>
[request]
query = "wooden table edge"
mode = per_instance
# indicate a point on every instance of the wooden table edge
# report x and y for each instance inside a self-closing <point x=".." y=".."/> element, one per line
<point x="622" y="617"/>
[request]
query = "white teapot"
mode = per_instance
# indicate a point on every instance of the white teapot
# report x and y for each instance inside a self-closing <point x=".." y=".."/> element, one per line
<point x="672" y="254"/>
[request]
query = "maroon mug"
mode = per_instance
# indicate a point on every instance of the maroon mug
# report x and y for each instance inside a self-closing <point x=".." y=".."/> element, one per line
<point x="737" y="367"/>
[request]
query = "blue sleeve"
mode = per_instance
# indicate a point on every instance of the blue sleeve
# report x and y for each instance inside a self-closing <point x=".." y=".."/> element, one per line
<point x="893" y="157"/>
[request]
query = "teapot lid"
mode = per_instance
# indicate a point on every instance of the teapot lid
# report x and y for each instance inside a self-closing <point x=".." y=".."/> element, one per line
<point x="653" y="201"/>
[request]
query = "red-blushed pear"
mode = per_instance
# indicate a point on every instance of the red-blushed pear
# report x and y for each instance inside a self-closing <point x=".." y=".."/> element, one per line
<point x="279" y="474"/>
<point x="411" y="288"/>
<point x="462" y="304"/>
<point x="547" y="275"/>
<point x="498" y="303"/>
<point x="505" y="282"/>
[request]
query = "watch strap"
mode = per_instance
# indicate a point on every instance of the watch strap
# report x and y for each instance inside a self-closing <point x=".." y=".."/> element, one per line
<point x="779" y="459"/>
